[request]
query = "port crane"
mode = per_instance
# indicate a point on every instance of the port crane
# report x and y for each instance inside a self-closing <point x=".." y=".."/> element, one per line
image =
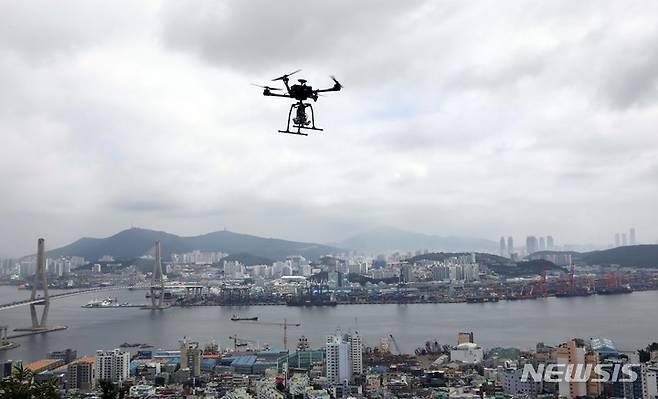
<point x="395" y="344"/>
<point x="284" y="325"/>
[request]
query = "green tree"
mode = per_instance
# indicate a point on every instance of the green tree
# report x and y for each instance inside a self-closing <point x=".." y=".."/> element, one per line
<point x="108" y="389"/>
<point x="21" y="385"/>
<point x="46" y="390"/>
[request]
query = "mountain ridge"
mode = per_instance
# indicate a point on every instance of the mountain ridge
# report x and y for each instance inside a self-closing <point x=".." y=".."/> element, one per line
<point x="135" y="242"/>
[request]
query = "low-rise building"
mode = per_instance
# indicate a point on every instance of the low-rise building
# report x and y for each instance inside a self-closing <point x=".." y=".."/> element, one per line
<point x="142" y="391"/>
<point x="82" y="373"/>
<point x="239" y="393"/>
<point x="467" y="352"/>
<point x="512" y="383"/>
<point x="266" y="389"/>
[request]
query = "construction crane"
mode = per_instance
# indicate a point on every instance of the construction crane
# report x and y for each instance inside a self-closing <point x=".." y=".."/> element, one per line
<point x="239" y="342"/>
<point x="542" y="284"/>
<point x="285" y="326"/>
<point x="395" y="344"/>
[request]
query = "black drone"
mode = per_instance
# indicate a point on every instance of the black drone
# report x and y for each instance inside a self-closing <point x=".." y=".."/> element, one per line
<point x="299" y="92"/>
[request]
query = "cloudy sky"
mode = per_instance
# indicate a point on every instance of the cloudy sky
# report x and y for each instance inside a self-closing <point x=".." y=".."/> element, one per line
<point x="474" y="118"/>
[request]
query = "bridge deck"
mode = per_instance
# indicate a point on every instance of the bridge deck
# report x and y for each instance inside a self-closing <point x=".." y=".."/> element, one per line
<point x="41" y="301"/>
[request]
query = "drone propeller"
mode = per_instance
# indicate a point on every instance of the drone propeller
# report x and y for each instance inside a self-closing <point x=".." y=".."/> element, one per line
<point x="283" y="77"/>
<point x="265" y="87"/>
<point x="337" y="82"/>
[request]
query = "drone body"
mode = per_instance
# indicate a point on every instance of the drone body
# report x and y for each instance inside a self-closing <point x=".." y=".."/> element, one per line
<point x="299" y="92"/>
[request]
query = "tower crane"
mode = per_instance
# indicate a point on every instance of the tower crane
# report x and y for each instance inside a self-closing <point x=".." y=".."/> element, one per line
<point x="285" y="326"/>
<point x="239" y="342"/>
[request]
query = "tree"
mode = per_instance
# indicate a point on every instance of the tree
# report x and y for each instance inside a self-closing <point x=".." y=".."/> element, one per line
<point x="108" y="389"/>
<point x="46" y="390"/>
<point x="21" y="385"/>
<point x="645" y="354"/>
<point x="17" y="385"/>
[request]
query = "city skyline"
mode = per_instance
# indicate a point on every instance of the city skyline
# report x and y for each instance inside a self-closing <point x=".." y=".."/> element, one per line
<point x="120" y="113"/>
<point x="532" y="243"/>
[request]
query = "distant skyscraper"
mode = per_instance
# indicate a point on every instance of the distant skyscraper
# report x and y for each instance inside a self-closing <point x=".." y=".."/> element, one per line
<point x="531" y="244"/>
<point x="550" y="244"/>
<point x="632" y="235"/>
<point x="510" y="245"/>
<point x="624" y="241"/>
<point x="617" y="240"/>
<point x="503" y="250"/>
<point x="542" y="244"/>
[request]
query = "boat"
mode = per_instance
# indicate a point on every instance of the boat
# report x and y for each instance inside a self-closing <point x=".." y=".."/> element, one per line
<point x="573" y="293"/>
<point x="622" y="289"/>
<point x="105" y="303"/>
<point x="127" y="345"/>
<point x="236" y="318"/>
<point x="312" y="301"/>
<point x="94" y="303"/>
<point x="481" y="299"/>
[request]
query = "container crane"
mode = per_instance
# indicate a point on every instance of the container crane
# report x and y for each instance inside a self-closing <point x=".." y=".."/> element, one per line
<point x="395" y="344"/>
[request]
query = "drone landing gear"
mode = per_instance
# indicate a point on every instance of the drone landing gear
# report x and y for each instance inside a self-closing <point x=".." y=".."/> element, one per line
<point x="301" y="120"/>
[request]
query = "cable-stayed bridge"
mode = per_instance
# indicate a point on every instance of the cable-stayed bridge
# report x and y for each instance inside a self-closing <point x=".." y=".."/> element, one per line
<point x="40" y="297"/>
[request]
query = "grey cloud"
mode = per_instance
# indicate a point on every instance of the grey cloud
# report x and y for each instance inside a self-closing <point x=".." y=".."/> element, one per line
<point x="499" y="75"/>
<point x="457" y="118"/>
<point x="145" y="205"/>
<point x="40" y="29"/>
<point x="619" y="67"/>
<point x="633" y="81"/>
<point x="259" y="35"/>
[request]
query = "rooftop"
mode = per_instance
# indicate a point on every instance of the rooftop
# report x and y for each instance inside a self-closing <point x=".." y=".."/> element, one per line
<point x="244" y="361"/>
<point x="84" y="359"/>
<point x="43" y="364"/>
<point x="603" y="345"/>
<point x="466" y="345"/>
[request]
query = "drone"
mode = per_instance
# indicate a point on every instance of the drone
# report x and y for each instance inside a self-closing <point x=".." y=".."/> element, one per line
<point x="300" y="92"/>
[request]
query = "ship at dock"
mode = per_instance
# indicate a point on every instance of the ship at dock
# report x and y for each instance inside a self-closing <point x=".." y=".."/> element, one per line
<point x="481" y="299"/>
<point x="574" y="293"/>
<point x="105" y="303"/>
<point x="314" y="293"/>
<point x="311" y="301"/>
<point x="621" y="289"/>
<point x="613" y="284"/>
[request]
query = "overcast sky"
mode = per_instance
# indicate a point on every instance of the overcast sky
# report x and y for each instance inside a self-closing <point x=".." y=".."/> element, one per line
<point x="474" y="118"/>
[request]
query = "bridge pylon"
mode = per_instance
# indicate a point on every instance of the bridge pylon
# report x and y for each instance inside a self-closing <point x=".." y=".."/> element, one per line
<point x="157" y="282"/>
<point x="40" y="283"/>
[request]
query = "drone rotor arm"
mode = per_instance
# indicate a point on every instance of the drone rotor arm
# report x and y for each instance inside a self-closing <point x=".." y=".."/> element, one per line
<point x="326" y="90"/>
<point x="278" y="95"/>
